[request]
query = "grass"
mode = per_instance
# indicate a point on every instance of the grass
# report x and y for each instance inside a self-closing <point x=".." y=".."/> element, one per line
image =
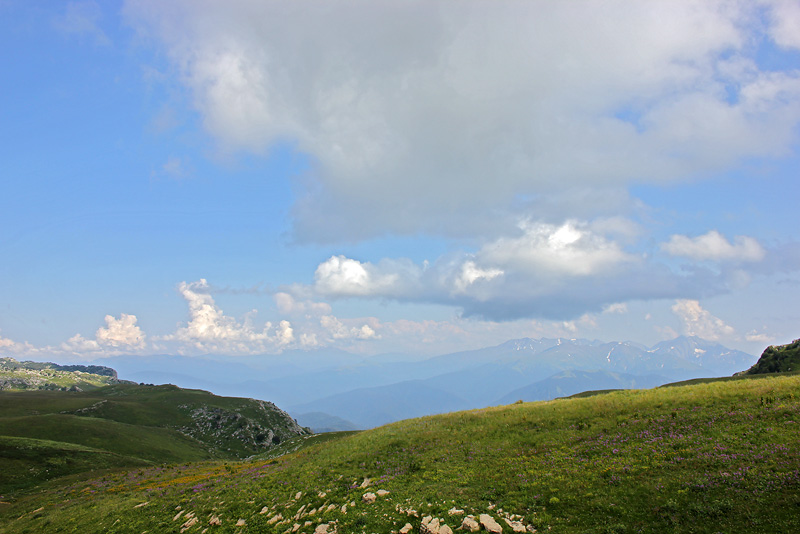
<point x="711" y="457"/>
<point x="126" y="425"/>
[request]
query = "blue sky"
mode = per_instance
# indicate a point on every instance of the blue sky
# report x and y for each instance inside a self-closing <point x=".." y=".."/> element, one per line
<point x="249" y="177"/>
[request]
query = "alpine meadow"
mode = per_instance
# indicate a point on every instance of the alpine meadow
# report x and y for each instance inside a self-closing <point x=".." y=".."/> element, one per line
<point x="399" y="266"/>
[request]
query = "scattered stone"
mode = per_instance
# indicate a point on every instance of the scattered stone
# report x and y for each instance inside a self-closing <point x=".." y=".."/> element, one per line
<point x="299" y="494"/>
<point x="192" y="521"/>
<point x="178" y="515"/>
<point x="470" y="524"/>
<point x="382" y="493"/>
<point x="214" y="520"/>
<point x="490" y="524"/>
<point x="430" y="525"/>
<point x="406" y="528"/>
<point x="344" y="509"/>
<point x="321" y="494"/>
<point x="516" y="526"/>
<point x="330" y="508"/>
<point x="368" y="498"/>
<point x="295" y="527"/>
<point x="274" y="519"/>
<point x="142" y="504"/>
<point x="241" y="523"/>
<point x="323" y="529"/>
<point x="366" y="483"/>
<point x="444" y="529"/>
<point x="455" y="511"/>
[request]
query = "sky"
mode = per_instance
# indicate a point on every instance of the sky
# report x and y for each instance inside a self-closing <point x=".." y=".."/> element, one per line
<point x="251" y="176"/>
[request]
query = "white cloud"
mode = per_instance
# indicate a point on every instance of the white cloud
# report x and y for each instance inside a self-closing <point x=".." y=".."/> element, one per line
<point x="338" y="330"/>
<point x="785" y="22"/>
<point x="713" y="246"/>
<point x="342" y="276"/>
<point x="618" y="308"/>
<point x="122" y="332"/>
<point x="289" y="305"/>
<point x="210" y="330"/>
<point x="758" y="337"/>
<point x="14" y="348"/>
<point x="442" y="132"/>
<point x="546" y="250"/>
<point x="544" y="270"/>
<point x="471" y="273"/>
<point x="699" y="322"/>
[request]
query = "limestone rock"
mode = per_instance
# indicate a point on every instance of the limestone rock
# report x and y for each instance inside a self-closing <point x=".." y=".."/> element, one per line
<point x="430" y="525"/>
<point x="382" y="493"/>
<point x="490" y="524"/>
<point x="215" y="520"/>
<point x="323" y="529"/>
<point x="406" y="528"/>
<point x="369" y="498"/>
<point x="516" y="526"/>
<point x="469" y="524"/>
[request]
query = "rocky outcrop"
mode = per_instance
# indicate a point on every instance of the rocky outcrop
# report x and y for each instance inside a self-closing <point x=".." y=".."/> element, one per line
<point x="489" y="523"/>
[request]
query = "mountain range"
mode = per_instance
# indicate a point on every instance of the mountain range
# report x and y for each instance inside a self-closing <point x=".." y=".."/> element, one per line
<point x="364" y="392"/>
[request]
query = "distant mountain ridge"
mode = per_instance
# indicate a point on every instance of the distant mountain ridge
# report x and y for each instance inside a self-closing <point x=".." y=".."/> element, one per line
<point x="369" y="391"/>
<point x="527" y="369"/>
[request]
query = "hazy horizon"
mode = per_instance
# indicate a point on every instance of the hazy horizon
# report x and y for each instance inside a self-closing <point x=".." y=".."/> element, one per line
<point x="421" y="177"/>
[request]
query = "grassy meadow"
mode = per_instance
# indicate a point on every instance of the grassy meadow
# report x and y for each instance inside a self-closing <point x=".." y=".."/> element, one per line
<point x="710" y="457"/>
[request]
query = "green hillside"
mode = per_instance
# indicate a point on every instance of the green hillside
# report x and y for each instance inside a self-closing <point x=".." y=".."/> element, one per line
<point x="24" y="376"/>
<point x="778" y="359"/>
<point x="129" y="425"/>
<point x="711" y="457"/>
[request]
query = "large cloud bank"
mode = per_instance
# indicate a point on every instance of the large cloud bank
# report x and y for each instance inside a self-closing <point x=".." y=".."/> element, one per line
<point x="459" y="118"/>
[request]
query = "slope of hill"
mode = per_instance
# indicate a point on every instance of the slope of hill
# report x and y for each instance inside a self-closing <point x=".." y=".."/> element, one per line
<point x="704" y="458"/>
<point x="778" y="359"/>
<point x="22" y="376"/>
<point x="132" y="425"/>
<point x="568" y="383"/>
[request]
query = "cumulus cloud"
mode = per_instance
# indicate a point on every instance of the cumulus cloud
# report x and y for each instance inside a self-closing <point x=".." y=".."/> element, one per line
<point x="122" y="332"/>
<point x="119" y="336"/>
<point x="699" y="322"/>
<point x="487" y="104"/>
<point x="618" y="308"/>
<point x="784" y="16"/>
<point x="554" y="271"/>
<point x="338" y="330"/>
<point x="713" y="246"/>
<point x="289" y="305"/>
<point x="210" y="330"/>
<point x="14" y="348"/>
<point x="342" y="276"/>
<point x="566" y="250"/>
